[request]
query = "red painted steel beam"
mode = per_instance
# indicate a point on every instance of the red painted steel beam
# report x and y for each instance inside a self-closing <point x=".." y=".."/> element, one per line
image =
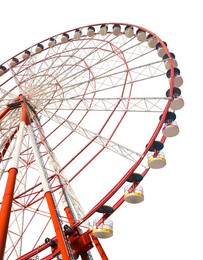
<point x="99" y="247"/>
<point x="6" y="144"/>
<point x="6" y="208"/>
<point x="9" y="190"/>
<point x="58" y="230"/>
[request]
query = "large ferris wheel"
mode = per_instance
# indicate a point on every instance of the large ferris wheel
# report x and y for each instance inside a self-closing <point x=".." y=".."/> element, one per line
<point x="84" y="116"/>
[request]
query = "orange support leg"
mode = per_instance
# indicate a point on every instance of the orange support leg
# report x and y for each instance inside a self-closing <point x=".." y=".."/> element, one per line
<point x="6" y="208"/>
<point x="69" y="216"/>
<point x="99" y="247"/>
<point x="58" y="230"/>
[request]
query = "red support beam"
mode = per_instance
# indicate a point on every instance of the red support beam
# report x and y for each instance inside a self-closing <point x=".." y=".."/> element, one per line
<point x="6" y="208"/>
<point x="99" y="247"/>
<point x="6" y="144"/>
<point x="4" y="112"/>
<point x="10" y="185"/>
<point x="69" y="216"/>
<point x="57" y="226"/>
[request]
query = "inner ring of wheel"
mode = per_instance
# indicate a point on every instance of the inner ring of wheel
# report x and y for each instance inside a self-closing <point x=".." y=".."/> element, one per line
<point x="51" y="91"/>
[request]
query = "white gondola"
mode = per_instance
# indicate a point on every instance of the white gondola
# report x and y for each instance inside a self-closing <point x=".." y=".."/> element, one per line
<point x="39" y="48"/>
<point x="77" y="34"/>
<point x="129" y="31"/>
<point x="52" y="42"/>
<point x="160" y="49"/>
<point x="103" y="230"/>
<point x="2" y="70"/>
<point x="103" y="29"/>
<point x="135" y="195"/>
<point x="156" y="161"/>
<point x="14" y="61"/>
<point x="90" y="31"/>
<point x="64" y="38"/>
<point x="177" y="101"/>
<point x="178" y="80"/>
<point x="170" y="129"/>
<point x="26" y="55"/>
<point x="116" y="30"/>
<point x="141" y="35"/>
<point x="167" y="61"/>
<point x="152" y="41"/>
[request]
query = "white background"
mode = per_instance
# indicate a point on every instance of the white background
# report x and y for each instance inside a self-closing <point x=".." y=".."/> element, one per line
<point x="168" y="225"/>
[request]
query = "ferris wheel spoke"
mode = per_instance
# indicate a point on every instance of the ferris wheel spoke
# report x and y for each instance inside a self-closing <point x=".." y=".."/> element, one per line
<point x="151" y="104"/>
<point x="104" y="142"/>
<point x="140" y="73"/>
<point x="6" y="96"/>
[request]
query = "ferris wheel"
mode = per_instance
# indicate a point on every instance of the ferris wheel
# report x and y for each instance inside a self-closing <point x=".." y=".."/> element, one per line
<point x="84" y="116"/>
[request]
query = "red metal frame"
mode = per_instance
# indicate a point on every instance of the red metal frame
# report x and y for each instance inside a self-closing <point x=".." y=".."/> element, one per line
<point x="6" y="208"/>
<point x="9" y="191"/>
<point x="80" y="243"/>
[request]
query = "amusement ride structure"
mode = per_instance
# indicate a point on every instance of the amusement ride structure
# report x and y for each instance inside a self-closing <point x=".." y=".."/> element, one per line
<point x="84" y="116"/>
